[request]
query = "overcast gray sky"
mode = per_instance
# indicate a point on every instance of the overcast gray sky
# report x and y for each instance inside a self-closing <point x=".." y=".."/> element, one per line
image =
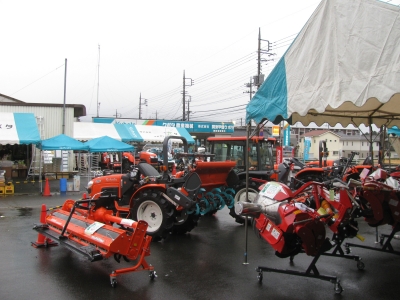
<point x="144" y="48"/>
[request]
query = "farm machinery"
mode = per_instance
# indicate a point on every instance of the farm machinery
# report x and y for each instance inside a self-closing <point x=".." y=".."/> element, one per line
<point x="379" y="198"/>
<point x="261" y="164"/>
<point x="112" y="161"/>
<point x="294" y="222"/>
<point x="290" y="221"/>
<point x="169" y="203"/>
<point x="88" y="228"/>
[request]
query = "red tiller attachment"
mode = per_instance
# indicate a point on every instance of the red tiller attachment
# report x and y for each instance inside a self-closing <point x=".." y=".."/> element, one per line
<point x="92" y="234"/>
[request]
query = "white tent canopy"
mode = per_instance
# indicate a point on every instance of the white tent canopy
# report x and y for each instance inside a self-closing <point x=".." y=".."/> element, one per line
<point x="343" y="67"/>
<point x="85" y="131"/>
<point x="18" y="128"/>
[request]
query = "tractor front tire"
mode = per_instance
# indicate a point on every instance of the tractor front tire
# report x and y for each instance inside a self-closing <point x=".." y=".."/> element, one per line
<point x="156" y="211"/>
<point x="184" y="222"/>
<point x="240" y="196"/>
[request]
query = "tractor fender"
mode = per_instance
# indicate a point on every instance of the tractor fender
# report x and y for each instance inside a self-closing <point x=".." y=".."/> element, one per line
<point x="308" y="170"/>
<point x="161" y="188"/>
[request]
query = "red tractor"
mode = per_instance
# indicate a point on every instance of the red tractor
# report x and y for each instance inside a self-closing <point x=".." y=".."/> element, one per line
<point x="261" y="164"/>
<point x="112" y="161"/>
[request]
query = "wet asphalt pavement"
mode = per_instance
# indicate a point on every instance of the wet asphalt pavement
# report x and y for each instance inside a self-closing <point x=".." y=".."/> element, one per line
<point x="208" y="263"/>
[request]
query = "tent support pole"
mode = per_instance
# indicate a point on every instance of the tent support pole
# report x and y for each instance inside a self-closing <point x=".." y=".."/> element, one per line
<point x="40" y="172"/>
<point x="247" y="190"/>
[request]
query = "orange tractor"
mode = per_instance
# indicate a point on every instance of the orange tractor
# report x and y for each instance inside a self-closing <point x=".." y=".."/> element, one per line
<point x="168" y="203"/>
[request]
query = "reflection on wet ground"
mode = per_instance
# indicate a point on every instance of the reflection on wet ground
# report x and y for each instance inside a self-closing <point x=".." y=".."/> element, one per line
<point x="24" y="211"/>
<point x="16" y="212"/>
<point x="205" y="264"/>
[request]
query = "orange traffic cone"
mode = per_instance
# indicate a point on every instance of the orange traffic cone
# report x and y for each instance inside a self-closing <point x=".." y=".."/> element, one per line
<point x="173" y="169"/>
<point x="42" y="241"/>
<point x="46" y="188"/>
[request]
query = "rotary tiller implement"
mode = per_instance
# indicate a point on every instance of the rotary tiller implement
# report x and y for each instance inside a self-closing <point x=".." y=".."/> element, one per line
<point x="340" y="204"/>
<point x="214" y="193"/>
<point x="379" y="198"/>
<point x="290" y="228"/>
<point x="91" y="232"/>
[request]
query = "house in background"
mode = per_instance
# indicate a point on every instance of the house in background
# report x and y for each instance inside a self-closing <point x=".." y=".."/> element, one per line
<point x="311" y="152"/>
<point x="339" y="145"/>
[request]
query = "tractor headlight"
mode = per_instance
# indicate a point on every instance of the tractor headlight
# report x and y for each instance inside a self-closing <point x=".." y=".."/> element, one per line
<point x="90" y="183"/>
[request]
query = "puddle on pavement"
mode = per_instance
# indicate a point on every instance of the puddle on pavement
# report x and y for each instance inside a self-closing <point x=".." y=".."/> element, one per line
<point x="13" y="212"/>
<point x="24" y="211"/>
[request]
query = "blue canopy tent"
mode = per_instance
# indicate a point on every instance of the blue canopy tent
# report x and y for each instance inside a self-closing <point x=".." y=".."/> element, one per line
<point x="342" y="68"/>
<point x="60" y="142"/>
<point x="107" y="144"/>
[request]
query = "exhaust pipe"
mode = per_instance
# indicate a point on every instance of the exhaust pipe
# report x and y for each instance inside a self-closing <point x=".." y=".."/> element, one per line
<point x="248" y="209"/>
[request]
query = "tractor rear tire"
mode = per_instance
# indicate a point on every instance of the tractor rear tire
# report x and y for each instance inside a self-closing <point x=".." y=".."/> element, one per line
<point x="240" y="196"/>
<point x="156" y="211"/>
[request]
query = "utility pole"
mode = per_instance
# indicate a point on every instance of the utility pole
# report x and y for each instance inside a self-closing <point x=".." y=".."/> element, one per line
<point x="98" y="84"/>
<point x="117" y="114"/>
<point x="188" y="110"/>
<point x="140" y="105"/>
<point x="259" y="78"/>
<point x="259" y="57"/>
<point x="65" y="97"/>
<point x="250" y="86"/>
<point x="184" y="93"/>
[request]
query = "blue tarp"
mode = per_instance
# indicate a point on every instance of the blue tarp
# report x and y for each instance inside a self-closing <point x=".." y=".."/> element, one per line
<point x="394" y="130"/>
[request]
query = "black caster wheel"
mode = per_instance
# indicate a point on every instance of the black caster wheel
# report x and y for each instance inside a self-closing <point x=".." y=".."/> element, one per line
<point x="114" y="283"/>
<point x="360" y="265"/>
<point x="260" y="277"/>
<point x="152" y="275"/>
<point x="338" y="288"/>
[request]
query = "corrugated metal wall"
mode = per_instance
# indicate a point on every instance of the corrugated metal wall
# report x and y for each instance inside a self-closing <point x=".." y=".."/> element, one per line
<point x="52" y="118"/>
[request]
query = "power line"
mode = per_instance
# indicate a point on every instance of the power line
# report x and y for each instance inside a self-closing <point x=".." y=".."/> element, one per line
<point x="37" y="80"/>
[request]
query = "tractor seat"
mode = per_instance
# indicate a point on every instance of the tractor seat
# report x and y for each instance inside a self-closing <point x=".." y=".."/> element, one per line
<point x="148" y="170"/>
<point x="192" y="184"/>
